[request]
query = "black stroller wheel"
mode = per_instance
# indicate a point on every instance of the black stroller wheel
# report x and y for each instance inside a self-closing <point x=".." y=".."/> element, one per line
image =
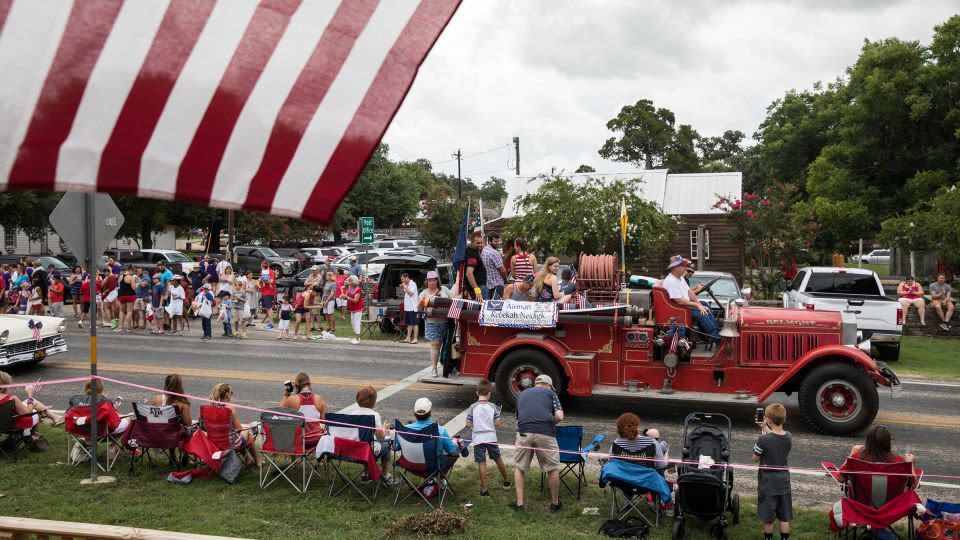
<point x="735" y="508"/>
<point x="678" y="529"/>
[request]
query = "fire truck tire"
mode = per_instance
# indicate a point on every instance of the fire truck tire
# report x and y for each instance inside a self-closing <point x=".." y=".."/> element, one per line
<point x="838" y="399"/>
<point x="518" y="370"/>
<point x="888" y="353"/>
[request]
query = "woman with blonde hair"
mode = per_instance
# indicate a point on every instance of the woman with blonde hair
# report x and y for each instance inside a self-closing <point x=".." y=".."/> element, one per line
<point x="222" y="393"/>
<point x="546" y="286"/>
<point x="27" y="406"/>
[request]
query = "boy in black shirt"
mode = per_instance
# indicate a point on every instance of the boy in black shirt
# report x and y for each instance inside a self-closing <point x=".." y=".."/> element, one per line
<point x="773" y="486"/>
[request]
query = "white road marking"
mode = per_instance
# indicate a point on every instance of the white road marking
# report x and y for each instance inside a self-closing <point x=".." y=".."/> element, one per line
<point x="940" y="485"/>
<point x="392" y="389"/>
<point x="458" y="422"/>
<point x="930" y="383"/>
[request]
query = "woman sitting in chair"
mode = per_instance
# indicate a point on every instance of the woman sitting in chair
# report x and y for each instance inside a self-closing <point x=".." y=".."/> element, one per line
<point x="298" y="396"/>
<point x="115" y="422"/>
<point x="244" y="441"/>
<point x="174" y="385"/>
<point x="28" y="406"/>
<point x="876" y="449"/>
<point x="630" y="439"/>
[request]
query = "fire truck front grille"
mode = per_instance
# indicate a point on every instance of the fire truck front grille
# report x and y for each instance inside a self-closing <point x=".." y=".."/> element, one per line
<point x="778" y="348"/>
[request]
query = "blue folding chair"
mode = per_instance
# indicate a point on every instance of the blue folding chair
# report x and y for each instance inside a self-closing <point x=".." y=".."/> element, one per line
<point x="631" y="476"/>
<point x="569" y="439"/>
<point x="420" y="455"/>
<point x="344" y="426"/>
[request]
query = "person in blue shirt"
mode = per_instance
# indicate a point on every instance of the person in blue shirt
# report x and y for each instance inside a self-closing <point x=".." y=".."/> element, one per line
<point x="165" y="273"/>
<point x="421" y="411"/>
<point x="142" y="290"/>
<point x="355" y="268"/>
<point x="205" y="295"/>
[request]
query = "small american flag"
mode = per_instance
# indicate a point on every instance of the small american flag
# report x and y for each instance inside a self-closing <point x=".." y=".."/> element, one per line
<point x="581" y="301"/>
<point x="456" y="306"/>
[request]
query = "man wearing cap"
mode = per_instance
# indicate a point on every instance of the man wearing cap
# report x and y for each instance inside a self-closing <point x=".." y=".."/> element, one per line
<point x="355" y="266"/>
<point x="421" y="411"/>
<point x="165" y="273"/>
<point x="538" y="412"/>
<point x="680" y="292"/>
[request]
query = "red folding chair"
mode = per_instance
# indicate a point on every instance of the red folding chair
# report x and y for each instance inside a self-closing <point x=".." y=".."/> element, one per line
<point x="875" y="496"/>
<point x="77" y="424"/>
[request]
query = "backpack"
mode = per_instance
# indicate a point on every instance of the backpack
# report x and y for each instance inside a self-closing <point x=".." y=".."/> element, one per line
<point x="616" y="528"/>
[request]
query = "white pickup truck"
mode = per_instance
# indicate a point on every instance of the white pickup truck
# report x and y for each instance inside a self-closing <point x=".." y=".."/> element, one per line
<point x="853" y="290"/>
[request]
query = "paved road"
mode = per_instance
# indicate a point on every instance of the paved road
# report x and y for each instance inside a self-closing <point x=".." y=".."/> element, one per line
<point x="924" y="422"/>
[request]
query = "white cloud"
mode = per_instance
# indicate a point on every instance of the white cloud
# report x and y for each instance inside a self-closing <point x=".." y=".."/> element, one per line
<point x="554" y="72"/>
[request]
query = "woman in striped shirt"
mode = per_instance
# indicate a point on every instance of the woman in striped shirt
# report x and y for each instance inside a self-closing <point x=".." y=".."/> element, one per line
<point x="522" y="263"/>
<point x="632" y="440"/>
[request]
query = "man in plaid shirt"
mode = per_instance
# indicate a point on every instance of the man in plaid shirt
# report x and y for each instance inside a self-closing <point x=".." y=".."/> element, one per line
<point x="493" y="263"/>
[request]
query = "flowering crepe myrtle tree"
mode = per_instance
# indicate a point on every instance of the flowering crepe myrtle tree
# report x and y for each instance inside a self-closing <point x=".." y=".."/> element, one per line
<point x="563" y="217"/>
<point x="771" y="232"/>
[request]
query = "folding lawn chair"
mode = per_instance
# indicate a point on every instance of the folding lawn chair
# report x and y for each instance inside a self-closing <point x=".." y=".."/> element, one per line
<point x="77" y="421"/>
<point x="13" y="439"/>
<point x="217" y="423"/>
<point x="347" y="443"/>
<point x="420" y="455"/>
<point x="569" y="439"/>
<point x="154" y="428"/>
<point x="284" y="434"/>
<point x="631" y="480"/>
<point x="875" y="496"/>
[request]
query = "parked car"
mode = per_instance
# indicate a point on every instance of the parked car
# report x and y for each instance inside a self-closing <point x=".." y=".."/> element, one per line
<point x="393" y="244"/>
<point x="68" y="258"/>
<point x="850" y="290"/>
<point x="320" y="254"/>
<point x="724" y="287"/>
<point x="177" y="262"/>
<point x="46" y="260"/>
<point x="18" y="343"/>
<point x="387" y="289"/>
<point x="250" y="257"/>
<point x="298" y="254"/>
<point x="365" y="259"/>
<point x="877" y="256"/>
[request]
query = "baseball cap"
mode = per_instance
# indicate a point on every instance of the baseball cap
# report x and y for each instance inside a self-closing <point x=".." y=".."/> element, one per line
<point x="207" y="286"/>
<point x="543" y="379"/>
<point x="677" y="260"/>
<point x="422" y="406"/>
<point x="433" y="275"/>
<point x="330" y="257"/>
<point x="314" y="268"/>
<point x="353" y="257"/>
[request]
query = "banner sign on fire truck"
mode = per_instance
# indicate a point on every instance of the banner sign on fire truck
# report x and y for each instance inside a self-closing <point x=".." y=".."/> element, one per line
<point x="524" y="315"/>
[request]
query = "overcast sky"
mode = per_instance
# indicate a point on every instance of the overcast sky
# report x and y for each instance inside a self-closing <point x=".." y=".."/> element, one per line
<point x="554" y="72"/>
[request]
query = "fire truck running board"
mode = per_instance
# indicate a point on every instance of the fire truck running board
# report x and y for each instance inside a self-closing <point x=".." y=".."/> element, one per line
<point x="654" y="393"/>
<point x="459" y="380"/>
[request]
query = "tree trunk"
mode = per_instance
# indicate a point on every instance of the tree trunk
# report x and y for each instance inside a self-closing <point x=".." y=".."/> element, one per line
<point x="337" y="237"/>
<point x="648" y="161"/>
<point x="146" y="234"/>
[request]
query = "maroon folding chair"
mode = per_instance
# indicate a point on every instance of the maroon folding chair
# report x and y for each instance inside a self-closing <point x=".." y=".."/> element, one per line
<point x="875" y="496"/>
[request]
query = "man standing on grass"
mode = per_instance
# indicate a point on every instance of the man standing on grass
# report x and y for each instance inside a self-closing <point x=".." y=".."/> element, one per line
<point x="538" y="412"/>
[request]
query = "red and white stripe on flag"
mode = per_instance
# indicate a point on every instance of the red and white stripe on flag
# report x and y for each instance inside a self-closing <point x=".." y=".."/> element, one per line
<point x="272" y="105"/>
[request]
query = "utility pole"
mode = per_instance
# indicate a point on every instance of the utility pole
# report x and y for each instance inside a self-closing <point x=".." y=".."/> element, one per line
<point x="458" y="155"/>
<point x="516" y="146"/>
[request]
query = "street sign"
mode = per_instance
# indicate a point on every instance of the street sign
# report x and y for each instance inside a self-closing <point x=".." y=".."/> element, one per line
<point x="69" y="220"/>
<point x="366" y="230"/>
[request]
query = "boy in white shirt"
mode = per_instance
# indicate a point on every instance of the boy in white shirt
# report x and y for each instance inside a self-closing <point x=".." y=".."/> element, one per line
<point x="484" y="419"/>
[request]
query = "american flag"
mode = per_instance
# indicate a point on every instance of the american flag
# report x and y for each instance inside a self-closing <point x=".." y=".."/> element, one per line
<point x="478" y="223"/>
<point x="456" y="306"/>
<point x="271" y="105"/>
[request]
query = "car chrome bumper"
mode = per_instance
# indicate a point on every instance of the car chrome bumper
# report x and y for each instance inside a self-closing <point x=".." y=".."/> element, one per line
<point x="896" y="388"/>
<point x="884" y="337"/>
<point x="7" y="358"/>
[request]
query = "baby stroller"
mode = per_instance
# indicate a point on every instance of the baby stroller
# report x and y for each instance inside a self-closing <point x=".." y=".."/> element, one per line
<point x="705" y="490"/>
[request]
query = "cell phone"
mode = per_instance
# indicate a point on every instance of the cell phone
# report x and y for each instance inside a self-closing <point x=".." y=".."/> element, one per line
<point x="288" y="386"/>
<point x="760" y="415"/>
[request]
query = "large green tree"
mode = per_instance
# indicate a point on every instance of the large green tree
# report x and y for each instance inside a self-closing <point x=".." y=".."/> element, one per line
<point x="645" y="134"/>
<point x="563" y="217"/>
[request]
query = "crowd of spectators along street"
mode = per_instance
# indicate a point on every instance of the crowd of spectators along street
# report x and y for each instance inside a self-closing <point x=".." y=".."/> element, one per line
<point x="162" y="302"/>
<point x="538" y="411"/>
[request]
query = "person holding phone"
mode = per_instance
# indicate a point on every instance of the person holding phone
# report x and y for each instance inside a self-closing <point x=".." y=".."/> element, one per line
<point x="773" y="480"/>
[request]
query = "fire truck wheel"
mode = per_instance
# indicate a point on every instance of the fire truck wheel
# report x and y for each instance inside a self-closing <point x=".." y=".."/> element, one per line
<point x="519" y="369"/>
<point x="838" y="399"/>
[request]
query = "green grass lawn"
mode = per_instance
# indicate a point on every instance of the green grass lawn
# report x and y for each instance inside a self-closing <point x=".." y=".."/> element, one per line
<point x="928" y="357"/>
<point x="882" y="270"/>
<point x="42" y="487"/>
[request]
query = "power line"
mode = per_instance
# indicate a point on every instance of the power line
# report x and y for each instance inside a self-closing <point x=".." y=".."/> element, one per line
<point x="472" y="155"/>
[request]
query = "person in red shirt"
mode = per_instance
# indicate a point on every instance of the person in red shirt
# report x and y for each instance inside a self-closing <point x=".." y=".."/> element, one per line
<point x="3" y="293"/>
<point x="353" y="295"/>
<point x="55" y="297"/>
<point x="85" y="297"/>
<point x="26" y="406"/>
<point x="109" y="296"/>
<point x="877" y="448"/>
<point x="268" y="293"/>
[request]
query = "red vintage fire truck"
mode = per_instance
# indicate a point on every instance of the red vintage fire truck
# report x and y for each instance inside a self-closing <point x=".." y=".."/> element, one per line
<point x="628" y="350"/>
